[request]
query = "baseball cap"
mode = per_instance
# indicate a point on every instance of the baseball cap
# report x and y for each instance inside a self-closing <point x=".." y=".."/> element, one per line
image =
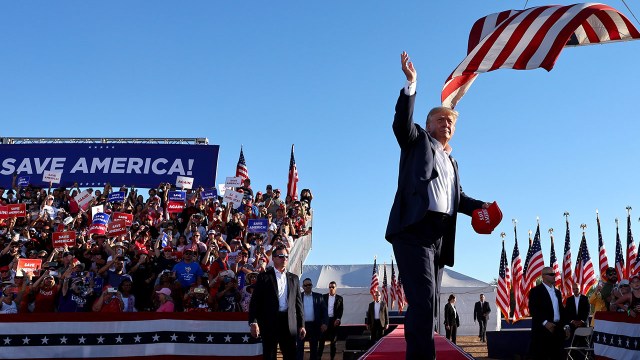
<point x="165" y="291"/>
<point x="624" y="282"/>
<point x="211" y="232"/>
<point x="485" y="220"/>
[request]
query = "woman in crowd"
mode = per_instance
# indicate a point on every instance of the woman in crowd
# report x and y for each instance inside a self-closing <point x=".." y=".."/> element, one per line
<point x="128" y="300"/>
<point x="630" y="302"/>
<point x="166" y="302"/>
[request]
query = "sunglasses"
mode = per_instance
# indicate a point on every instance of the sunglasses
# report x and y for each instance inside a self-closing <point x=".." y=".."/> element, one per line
<point x="549" y="274"/>
<point x="282" y="256"/>
<point x="332" y="287"/>
<point x="306" y="285"/>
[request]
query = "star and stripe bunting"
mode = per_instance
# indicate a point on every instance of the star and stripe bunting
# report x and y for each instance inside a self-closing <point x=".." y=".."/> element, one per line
<point x="533" y="38"/>
<point x="616" y="336"/>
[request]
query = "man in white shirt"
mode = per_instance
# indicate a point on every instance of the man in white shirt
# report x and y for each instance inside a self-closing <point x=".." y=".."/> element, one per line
<point x="335" y="309"/>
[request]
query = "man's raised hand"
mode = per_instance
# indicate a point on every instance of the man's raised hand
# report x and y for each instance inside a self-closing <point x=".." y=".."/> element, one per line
<point x="407" y="67"/>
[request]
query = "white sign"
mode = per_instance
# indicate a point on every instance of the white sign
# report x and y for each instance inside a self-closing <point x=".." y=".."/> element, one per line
<point x="83" y="199"/>
<point x="184" y="182"/>
<point x="221" y="189"/>
<point x="233" y="197"/>
<point x="233" y="182"/>
<point x="52" y="176"/>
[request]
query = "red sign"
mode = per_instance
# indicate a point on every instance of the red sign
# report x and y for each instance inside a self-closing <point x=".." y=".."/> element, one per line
<point x="117" y="228"/>
<point x="175" y="207"/>
<point x="16" y="210"/>
<point x="60" y="239"/>
<point x="4" y="212"/>
<point x="28" y="265"/>
<point x="98" y="229"/>
<point x="128" y="218"/>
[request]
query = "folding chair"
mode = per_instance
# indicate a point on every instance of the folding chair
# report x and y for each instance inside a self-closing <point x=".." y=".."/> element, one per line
<point x="581" y="336"/>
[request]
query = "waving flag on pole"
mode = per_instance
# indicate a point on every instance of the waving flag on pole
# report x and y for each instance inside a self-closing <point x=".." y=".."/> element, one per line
<point x="394" y="286"/>
<point x="292" y="184"/>
<point x="567" y="276"/>
<point x="585" y="274"/>
<point x="402" y="300"/>
<point x="536" y="263"/>
<point x="553" y="262"/>
<point x="516" y="278"/>
<point x="384" y="292"/>
<point x="374" y="280"/>
<point x="631" y="248"/>
<point x="533" y="38"/>
<point x="241" y="169"/>
<point x="603" y="261"/>
<point x="524" y="286"/>
<point x="620" y="269"/>
<point x="502" y="298"/>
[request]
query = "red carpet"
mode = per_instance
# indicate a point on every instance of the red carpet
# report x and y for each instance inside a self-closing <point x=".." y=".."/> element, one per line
<point x="393" y="347"/>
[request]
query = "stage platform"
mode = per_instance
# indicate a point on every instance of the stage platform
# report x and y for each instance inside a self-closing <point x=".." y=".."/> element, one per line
<point x="393" y="346"/>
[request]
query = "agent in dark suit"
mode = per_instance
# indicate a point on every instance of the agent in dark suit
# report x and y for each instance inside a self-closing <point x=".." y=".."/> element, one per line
<point x="451" y="319"/>
<point x="377" y="317"/>
<point x="481" y="313"/>
<point x="547" y="319"/>
<point x="275" y="310"/>
<point x="422" y="222"/>
<point x="577" y="309"/>
<point x="315" y="319"/>
<point x="335" y="309"/>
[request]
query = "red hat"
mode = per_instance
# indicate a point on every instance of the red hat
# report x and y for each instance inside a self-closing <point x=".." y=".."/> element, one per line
<point x="485" y="220"/>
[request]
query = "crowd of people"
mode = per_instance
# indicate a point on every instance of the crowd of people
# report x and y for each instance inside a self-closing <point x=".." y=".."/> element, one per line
<point x="200" y="259"/>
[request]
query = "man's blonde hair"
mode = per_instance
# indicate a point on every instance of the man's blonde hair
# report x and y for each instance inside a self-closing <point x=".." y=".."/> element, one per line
<point x="439" y="109"/>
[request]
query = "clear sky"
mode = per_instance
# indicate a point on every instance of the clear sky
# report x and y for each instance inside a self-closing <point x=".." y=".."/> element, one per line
<point x="325" y="75"/>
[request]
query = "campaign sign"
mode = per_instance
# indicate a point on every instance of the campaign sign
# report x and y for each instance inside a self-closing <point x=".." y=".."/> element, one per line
<point x="60" y="239"/>
<point x="17" y="210"/>
<point x="98" y="229"/>
<point x="209" y="194"/>
<point x="28" y="265"/>
<point x="117" y="196"/>
<point x="258" y="225"/>
<point x="4" y="212"/>
<point x="233" y="197"/>
<point x="83" y="199"/>
<point x="177" y="196"/>
<point x="101" y="218"/>
<point x="233" y="182"/>
<point x="23" y="180"/>
<point x="117" y="228"/>
<point x="52" y="176"/>
<point x="128" y="218"/>
<point x="175" y="207"/>
<point x="184" y="182"/>
<point x="221" y="189"/>
<point x="97" y="209"/>
<point x="90" y="164"/>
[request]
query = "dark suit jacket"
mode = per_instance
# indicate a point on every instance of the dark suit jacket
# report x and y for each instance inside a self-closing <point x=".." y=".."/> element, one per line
<point x="481" y="312"/>
<point x="582" y="312"/>
<point x="451" y="317"/>
<point x="541" y="310"/>
<point x="319" y="309"/>
<point x="263" y="307"/>
<point x="338" y="306"/>
<point x="384" y="314"/>
<point x="417" y="169"/>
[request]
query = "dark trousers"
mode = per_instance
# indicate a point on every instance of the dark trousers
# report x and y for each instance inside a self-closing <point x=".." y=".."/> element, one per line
<point x="313" y="335"/>
<point x="416" y="251"/>
<point x="376" y="330"/>
<point x="482" y="322"/>
<point x="330" y="335"/>
<point x="280" y="335"/>
<point x="451" y="333"/>
<point x="546" y="345"/>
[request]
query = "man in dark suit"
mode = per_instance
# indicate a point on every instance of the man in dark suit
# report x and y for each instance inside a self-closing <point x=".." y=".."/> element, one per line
<point x="315" y="320"/>
<point x="335" y="309"/>
<point x="422" y="222"/>
<point x="547" y="319"/>
<point x="451" y="319"/>
<point x="577" y="309"/>
<point x="377" y="317"/>
<point x="481" y="313"/>
<point x="275" y="310"/>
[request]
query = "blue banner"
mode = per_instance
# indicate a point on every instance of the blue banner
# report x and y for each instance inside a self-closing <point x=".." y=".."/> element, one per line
<point x="117" y="196"/>
<point x="23" y="180"/>
<point x="89" y="164"/>
<point x="178" y="196"/>
<point x="209" y="194"/>
<point x="101" y="218"/>
<point x="258" y="225"/>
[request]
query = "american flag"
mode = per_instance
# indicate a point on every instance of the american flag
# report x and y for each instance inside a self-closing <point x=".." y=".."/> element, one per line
<point x="585" y="274"/>
<point x="292" y="184"/>
<point x="394" y="285"/>
<point x="374" y="280"/>
<point x="385" y="293"/>
<point x="524" y="289"/>
<point x="140" y="335"/>
<point x="533" y="38"/>
<point x="402" y="300"/>
<point x="516" y="279"/>
<point x="536" y="263"/>
<point x="620" y="269"/>
<point x="631" y="248"/>
<point x="603" y="261"/>
<point x="567" y="276"/>
<point x="502" y="298"/>
<point x="553" y="261"/>
<point x="241" y="168"/>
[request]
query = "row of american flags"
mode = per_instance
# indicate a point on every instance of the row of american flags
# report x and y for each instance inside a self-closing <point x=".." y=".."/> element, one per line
<point x="515" y="281"/>
<point x="392" y="294"/>
<point x="242" y="171"/>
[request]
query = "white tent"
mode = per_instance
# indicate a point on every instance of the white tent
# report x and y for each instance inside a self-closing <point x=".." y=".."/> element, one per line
<point x="353" y="283"/>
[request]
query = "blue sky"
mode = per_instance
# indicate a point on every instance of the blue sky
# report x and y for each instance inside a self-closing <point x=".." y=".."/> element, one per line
<point x="325" y="76"/>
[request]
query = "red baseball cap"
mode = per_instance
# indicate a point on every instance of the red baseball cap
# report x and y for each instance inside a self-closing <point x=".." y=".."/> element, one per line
<point x="485" y="220"/>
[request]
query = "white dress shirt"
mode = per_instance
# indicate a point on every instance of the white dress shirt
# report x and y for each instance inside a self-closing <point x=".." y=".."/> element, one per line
<point x="281" y="280"/>
<point x="554" y="301"/>
<point x="332" y="302"/>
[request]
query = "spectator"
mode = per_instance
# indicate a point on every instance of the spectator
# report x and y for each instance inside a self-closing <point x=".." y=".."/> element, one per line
<point x="45" y="292"/>
<point x="166" y="302"/>
<point x="197" y="299"/>
<point x="114" y="277"/>
<point x="187" y="272"/>
<point x="128" y="299"/>
<point x="8" y="303"/>
<point x="629" y="301"/>
<point x="75" y="293"/>
<point x="109" y="301"/>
